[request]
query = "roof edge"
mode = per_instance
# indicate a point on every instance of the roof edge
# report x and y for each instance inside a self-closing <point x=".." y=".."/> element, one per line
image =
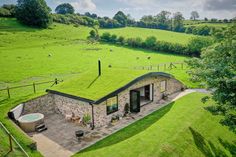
<point x="70" y="96"/>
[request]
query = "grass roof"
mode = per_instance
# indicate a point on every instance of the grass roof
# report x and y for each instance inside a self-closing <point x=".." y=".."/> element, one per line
<point x="88" y="85"/>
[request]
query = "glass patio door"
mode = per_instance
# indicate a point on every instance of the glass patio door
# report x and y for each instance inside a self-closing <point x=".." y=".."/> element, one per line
<point x="134" y="101"/>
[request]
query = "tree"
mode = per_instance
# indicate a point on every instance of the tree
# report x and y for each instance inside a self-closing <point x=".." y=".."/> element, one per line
<point x="196" y="45"/>
<point x="194" y="15"/>
<point x="178" y="22"/>
<point x="4" y="12"/>
<point x="163" y="19"/>
<point x="150" y="41"/>
<point x="217" y="70"/>
<point x="33" y="13"/>
<point x="65" y="8"/>
<point x="121" y="18"/>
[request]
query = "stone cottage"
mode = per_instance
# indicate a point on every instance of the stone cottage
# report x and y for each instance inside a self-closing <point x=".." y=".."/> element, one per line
<point x="146" y="89"/>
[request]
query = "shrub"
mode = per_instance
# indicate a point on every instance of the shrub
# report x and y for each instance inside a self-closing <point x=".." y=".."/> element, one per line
<point x="113" y="38"/>
<point x="86" y="118"/>
<point x="150" y="41"/>
<point x="106" y="37"/>
<point x="121" y="40"/>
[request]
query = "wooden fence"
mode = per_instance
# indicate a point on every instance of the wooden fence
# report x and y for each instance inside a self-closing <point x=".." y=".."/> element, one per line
<point x="8" y="89"/>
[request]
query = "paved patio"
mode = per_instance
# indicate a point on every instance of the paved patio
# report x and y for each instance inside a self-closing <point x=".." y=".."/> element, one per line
<point x="60" y="141"/>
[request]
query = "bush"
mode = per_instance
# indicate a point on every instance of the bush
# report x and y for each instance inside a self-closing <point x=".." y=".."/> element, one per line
<point x="86" y="119"/>
<point x="121" y="40"/>
<point x="106" y="37"/>
<point x="113" y="38"/>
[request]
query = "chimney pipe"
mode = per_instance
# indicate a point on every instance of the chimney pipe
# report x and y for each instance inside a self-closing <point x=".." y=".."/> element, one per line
<point x="99" y="68"/>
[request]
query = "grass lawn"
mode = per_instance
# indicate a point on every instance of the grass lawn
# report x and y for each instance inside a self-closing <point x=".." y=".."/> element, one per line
<point x="143" y="33"/>
<point x="183" y="128"/>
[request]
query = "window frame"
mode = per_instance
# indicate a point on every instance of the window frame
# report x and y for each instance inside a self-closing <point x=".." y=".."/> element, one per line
<point x="117" y="109"/>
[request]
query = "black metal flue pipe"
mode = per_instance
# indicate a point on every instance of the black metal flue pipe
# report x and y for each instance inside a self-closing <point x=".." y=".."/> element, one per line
<point x="99" y="68"/>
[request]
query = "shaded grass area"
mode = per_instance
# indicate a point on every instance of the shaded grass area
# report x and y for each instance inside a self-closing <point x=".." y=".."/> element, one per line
<point x="184" y="128"/>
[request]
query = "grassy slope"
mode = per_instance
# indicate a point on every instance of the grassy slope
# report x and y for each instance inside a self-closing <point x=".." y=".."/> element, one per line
<point x="24" y="59"/>
<point x="184" y="128"/>
<point x="161" y="35"/>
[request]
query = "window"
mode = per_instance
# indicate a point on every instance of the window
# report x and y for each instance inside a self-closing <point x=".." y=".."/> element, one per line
<point x="112" y="105"/>
<point x="163" y="86"/>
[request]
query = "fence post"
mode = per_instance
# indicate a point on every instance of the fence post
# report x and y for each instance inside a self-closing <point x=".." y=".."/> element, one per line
<point x="10" y="142"/>
<point x="34" y="88"/>
<point x="182" y="66"/>
<point x="158" y="67"/>
<point x="8" y="92"/>
<point x="164" y="66"/>
<point x="56" y="81"/>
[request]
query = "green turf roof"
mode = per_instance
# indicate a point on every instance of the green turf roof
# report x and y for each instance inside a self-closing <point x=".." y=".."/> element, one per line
<point x="91" y="87"/>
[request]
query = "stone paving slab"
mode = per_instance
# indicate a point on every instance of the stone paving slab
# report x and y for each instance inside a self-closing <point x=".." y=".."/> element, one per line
<point x="60" y="141"/>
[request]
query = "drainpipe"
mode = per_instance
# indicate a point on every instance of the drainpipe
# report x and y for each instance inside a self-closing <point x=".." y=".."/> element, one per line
<point x="93" y="126"/>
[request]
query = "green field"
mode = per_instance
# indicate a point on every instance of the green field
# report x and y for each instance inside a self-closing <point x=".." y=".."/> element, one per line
<point x="30" y="55"/>
<point x="183" y="128"/>
<point x="143" y="33"/>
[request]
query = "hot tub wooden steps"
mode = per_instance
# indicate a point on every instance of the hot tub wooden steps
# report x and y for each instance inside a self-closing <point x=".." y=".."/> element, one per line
<point x="41" y="128"/>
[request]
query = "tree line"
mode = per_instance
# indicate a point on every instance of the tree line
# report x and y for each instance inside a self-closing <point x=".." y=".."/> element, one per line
<point x="193" y="48"/>
<point x="37" y="13"/>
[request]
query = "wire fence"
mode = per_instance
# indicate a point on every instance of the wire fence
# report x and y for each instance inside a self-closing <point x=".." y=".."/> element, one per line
<point x="9" y="145"/>
<point x="162" y="66"/>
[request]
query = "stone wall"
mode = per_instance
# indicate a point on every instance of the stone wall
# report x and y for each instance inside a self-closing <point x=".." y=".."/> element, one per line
<point x="173" y="86"/>
<point x="52" y="103"/>
<point x="43" y="104"/>
<point x="68" y="106"/>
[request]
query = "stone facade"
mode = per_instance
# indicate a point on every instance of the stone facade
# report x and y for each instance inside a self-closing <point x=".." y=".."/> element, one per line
<point x="53" y="103"/>
<point x="67" y="106"/>
<point x="100" y="115"/>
